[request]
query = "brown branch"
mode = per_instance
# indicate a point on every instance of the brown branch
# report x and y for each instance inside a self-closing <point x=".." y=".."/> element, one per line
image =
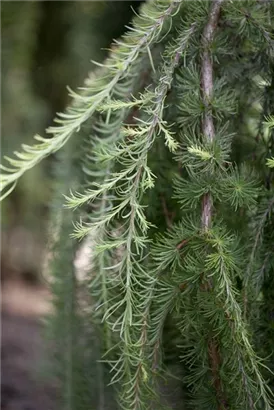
<point x="166" y="211"/>
<point x="215" y="361"/>
<point x="182" y="244"/>
<point x="207" y="92"/>
<point x="209" y="134"/>
<point x="169" y="216"/>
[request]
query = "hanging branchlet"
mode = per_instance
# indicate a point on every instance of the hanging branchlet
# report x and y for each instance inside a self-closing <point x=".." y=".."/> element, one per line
<point x="205" y="174"/>
<point x="146" y="30"/>
<point x="136" y="220"/>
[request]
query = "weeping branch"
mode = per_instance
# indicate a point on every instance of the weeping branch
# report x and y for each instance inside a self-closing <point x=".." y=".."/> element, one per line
<point x="207" y="93"/>
<point x="209" y="134"/>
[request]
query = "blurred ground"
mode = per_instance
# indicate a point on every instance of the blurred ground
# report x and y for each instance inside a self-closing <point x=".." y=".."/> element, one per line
<point x="22" y="388"/>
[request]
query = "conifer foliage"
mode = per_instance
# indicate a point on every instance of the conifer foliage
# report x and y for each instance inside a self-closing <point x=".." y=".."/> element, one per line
<point x="171" y="174"/>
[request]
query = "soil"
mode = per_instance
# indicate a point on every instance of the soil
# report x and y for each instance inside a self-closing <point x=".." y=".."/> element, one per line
<point x="22" y="388"/>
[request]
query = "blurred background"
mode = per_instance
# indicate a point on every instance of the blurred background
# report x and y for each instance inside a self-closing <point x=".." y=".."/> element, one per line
<point x="46" y="45"/>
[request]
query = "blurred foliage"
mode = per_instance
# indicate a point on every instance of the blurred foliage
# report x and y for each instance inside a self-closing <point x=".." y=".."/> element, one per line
<point x="46" y="46"/>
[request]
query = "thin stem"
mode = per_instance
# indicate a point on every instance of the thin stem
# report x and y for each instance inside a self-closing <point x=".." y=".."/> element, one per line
<point x="168" y="216"/>
<point x="257" y="240"/>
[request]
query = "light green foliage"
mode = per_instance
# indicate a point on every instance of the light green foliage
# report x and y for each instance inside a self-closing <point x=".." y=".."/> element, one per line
<point x="149" y="26"/>
<point x="176" y="206"/>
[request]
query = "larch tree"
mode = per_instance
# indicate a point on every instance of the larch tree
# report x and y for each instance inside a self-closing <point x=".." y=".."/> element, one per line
<point x="165" y="172"/>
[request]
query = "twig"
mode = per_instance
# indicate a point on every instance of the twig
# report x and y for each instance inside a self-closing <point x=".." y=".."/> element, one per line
<point x="168" y="216"/>
<point x="182" y="244"/>
<point x="215" y="360"/>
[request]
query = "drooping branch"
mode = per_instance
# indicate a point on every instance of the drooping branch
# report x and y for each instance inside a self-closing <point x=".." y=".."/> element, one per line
<point x="209" y="134"/>
<point x="145" y="31"/>
<point x="207" y="69"/>
<point x="207" y="91"/>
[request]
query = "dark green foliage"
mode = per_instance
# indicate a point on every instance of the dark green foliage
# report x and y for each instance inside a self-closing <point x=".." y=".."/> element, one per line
<point x="175" y="191"/>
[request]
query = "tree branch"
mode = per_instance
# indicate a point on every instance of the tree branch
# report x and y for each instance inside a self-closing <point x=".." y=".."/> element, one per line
<point x="215" y="361"/>
<point x="209" y="133"/>
<point x="207" y="91"/>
